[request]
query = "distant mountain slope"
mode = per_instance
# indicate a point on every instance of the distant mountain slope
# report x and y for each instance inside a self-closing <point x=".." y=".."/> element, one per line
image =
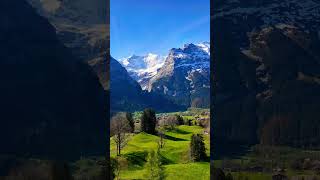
<point x="52" y="105"/>
<point x="125" y="92"/>
<point x="185" y="76"/>
<point x="267" y="69"/>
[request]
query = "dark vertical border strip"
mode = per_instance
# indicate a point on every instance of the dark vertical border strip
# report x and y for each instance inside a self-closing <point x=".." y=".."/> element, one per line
<point x="212" y="70"/>
<point x="108" y="167"/>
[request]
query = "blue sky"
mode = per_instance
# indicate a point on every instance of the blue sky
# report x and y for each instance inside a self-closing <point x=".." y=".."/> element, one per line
<point x="155" y="26"/>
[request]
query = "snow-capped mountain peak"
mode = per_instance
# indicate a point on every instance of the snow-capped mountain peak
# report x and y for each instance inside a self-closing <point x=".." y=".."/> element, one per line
<point x="134" y="62"/>
<point x="205" y="46"/>
<point x="192" y="51"/>
<point x="190" y="56"/>
<point x="152" y="60"/>
<point x="142" y="68"/>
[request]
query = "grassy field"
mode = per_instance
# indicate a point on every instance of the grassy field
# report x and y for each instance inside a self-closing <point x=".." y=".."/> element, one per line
<point x="175" y="154"/>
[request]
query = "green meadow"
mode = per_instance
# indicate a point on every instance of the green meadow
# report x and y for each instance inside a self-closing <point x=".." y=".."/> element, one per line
<point x="175" y="154"/>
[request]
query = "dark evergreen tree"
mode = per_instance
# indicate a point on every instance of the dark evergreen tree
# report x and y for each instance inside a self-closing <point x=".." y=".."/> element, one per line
<point x="148" y="121"/>
<point x="130" y="121"/>
<point x="197" y="148"/>
<point x="180" y="120"/>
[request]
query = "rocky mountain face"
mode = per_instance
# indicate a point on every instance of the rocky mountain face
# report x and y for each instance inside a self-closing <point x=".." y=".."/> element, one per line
<point x="143" y="68"/>
<point x="49" y="99"/>
<point x="267" y="69"/>
<point x="127" y="95"/>
<point x="83" y="27"/>
<point x="184" y="77"/>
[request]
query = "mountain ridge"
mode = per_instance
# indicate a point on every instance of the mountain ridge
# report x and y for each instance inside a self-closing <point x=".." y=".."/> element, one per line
<point x="184" y="77"/>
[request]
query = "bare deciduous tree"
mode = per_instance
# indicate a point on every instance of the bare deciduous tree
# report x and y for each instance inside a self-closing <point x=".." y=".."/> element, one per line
<point x="119" y="130"/>
<point x="161" y="142"/>
<point x="169" y="122"/>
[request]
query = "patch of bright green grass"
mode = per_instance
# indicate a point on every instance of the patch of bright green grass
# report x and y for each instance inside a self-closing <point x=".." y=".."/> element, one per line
<point x="190" y="171"/>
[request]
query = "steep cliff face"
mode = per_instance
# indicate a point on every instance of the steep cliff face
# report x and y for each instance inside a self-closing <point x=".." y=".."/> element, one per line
<point x="49" y="99"/>
<point x="266" y="80"/>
